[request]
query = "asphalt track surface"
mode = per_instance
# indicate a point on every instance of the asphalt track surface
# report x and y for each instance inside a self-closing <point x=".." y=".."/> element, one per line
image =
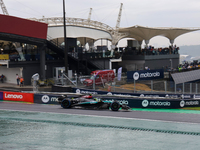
<point x="40" y="126"/>
<point x="144" y="115"/>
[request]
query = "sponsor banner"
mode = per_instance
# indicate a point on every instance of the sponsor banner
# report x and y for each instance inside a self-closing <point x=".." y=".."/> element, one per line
<point x="4" y="57"/>
<point x="1" y="95"/>
<point x="190" y="103"/>
<point x="152" y="102"/>
<point x="160" y="103"/>
<point x="146" y="103"/>
<point x="148" y="100"/>
<point x="145" y="75"/>
<point x="45" y="99"/>
<point x="185" y="96"/>
<point x="87" y="91"/>
<point x="17" y="96"/>
<point x="196" y="96"/>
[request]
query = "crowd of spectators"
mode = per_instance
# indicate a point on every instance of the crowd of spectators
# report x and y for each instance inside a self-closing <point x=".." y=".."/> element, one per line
<point x="160" y="51"/>
<point x="186" y="66"/>
<point x="151" y="50"/>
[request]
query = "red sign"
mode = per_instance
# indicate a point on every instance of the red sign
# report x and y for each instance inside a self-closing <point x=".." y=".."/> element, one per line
<point x="24" y="27"/>
<point x="16" y="96"/>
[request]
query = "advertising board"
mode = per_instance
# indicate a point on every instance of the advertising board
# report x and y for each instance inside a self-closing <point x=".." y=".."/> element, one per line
<point x="147" y="100"/>
<point x="46" y="99"/>
<point x="17" y="96"/>
<point x="1" y="95"/>
<point x="145" y="75"/>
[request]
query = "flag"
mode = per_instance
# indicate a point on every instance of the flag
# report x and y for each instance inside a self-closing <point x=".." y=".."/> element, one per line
<point x="119" y="74"/>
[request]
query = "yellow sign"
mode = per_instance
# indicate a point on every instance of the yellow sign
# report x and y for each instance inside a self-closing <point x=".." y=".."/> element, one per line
<point x="4" y="56"/>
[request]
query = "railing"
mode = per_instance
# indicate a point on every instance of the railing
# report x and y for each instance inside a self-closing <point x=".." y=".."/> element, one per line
<point x="145" y="87"/>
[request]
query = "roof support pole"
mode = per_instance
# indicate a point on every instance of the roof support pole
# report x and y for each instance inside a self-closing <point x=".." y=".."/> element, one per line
<point x="65" y="39"/>
<point x="140" y="45"/>
<point x="146" y="42"/>
<point x="91" y="45"/>
<point x="171" y="41"/>
<point x="42" y="62"/>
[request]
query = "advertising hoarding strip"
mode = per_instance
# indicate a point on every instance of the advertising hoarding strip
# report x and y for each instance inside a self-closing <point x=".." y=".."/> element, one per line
<point x="17" y="96"/>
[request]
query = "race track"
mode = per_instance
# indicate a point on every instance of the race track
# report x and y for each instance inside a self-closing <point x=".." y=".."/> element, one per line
<point x="42" y="126"/>
<point x="144" y="115"/>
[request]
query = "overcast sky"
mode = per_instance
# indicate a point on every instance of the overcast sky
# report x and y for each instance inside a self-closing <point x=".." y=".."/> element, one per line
<point x="151" y="13"/>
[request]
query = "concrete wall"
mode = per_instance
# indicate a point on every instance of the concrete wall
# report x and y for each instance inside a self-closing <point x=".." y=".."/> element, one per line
<point x="160" y="63"/>
<point x="10" y="73"/>
<point x="134" y="62"/>
<point x="29" y="69"/>
<point x="132" y="65"/>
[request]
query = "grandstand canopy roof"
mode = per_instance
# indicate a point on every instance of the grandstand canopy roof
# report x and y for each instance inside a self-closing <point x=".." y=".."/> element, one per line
<point x="146" y="33"/>
<point x="184" y="77"/>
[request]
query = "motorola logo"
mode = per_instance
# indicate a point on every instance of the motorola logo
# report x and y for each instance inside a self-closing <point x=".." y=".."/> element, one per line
<point x="45" y="98"/>
<point x="109" y="93"/>
<point x="145" y="103"/>
<point x="78" y="91"/>
<point x="136" y="76"/>
<point x="182" y="103"/>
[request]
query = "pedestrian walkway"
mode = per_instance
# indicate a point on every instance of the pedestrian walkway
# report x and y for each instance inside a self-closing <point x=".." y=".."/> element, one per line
<point x="17" y="88"/>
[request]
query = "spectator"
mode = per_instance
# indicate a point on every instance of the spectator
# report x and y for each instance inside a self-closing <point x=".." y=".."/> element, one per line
<point x="2" y="78"/>
<point x="21" y="81"/>
<point x="17" y="78"/>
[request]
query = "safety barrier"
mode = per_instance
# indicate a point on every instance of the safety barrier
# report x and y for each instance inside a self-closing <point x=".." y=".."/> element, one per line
<point x="130" y="99"/>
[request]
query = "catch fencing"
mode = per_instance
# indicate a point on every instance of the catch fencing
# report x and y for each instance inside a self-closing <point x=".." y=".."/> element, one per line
<point x="143" y="86"/>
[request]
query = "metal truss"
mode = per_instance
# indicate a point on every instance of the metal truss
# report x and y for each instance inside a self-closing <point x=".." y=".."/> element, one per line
<point x="3" y="7"/>
<point x="58" y="21"/>
<point x="55" y="21"/>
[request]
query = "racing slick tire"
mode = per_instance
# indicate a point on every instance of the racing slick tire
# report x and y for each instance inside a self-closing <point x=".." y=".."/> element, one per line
<point x="66" y="103"/>
<point x="115" y="106"/>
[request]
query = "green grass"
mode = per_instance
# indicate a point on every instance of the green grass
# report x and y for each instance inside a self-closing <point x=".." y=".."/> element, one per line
<point x="191" y="108"/>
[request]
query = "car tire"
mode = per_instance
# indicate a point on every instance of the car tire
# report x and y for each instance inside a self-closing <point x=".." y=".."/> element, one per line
<point x="66" y="103"/>
<point x="115" y="106"/>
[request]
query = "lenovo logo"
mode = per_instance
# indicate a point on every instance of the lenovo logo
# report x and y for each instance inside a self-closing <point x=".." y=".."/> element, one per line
<point x="15" y="96"/>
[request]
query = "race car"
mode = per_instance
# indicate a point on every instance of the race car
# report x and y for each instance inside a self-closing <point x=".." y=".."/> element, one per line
<point x="89" y="102"/>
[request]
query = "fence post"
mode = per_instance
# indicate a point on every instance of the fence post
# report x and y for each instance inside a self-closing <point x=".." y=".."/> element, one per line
<point x="165" y="86"/>
<point x="183" y="88"/>
<point x="190" y="88"/>
<point x="94" y="82"/>
<point x="151" y="86"/>
<point x="115" y="84"/>
<point x="196" y="88"/>
<point x="134" y="85"/>
<point x="76" y="80"/>
<point x="62" y="79"/>
<point x="175" y="87"/>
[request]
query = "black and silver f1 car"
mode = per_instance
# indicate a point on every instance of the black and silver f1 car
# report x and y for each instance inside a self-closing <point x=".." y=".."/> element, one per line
<point x="88" y="101"/>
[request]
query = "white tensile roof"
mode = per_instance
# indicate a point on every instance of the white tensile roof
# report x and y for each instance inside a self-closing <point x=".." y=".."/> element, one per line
<point x="146" y="33"/>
